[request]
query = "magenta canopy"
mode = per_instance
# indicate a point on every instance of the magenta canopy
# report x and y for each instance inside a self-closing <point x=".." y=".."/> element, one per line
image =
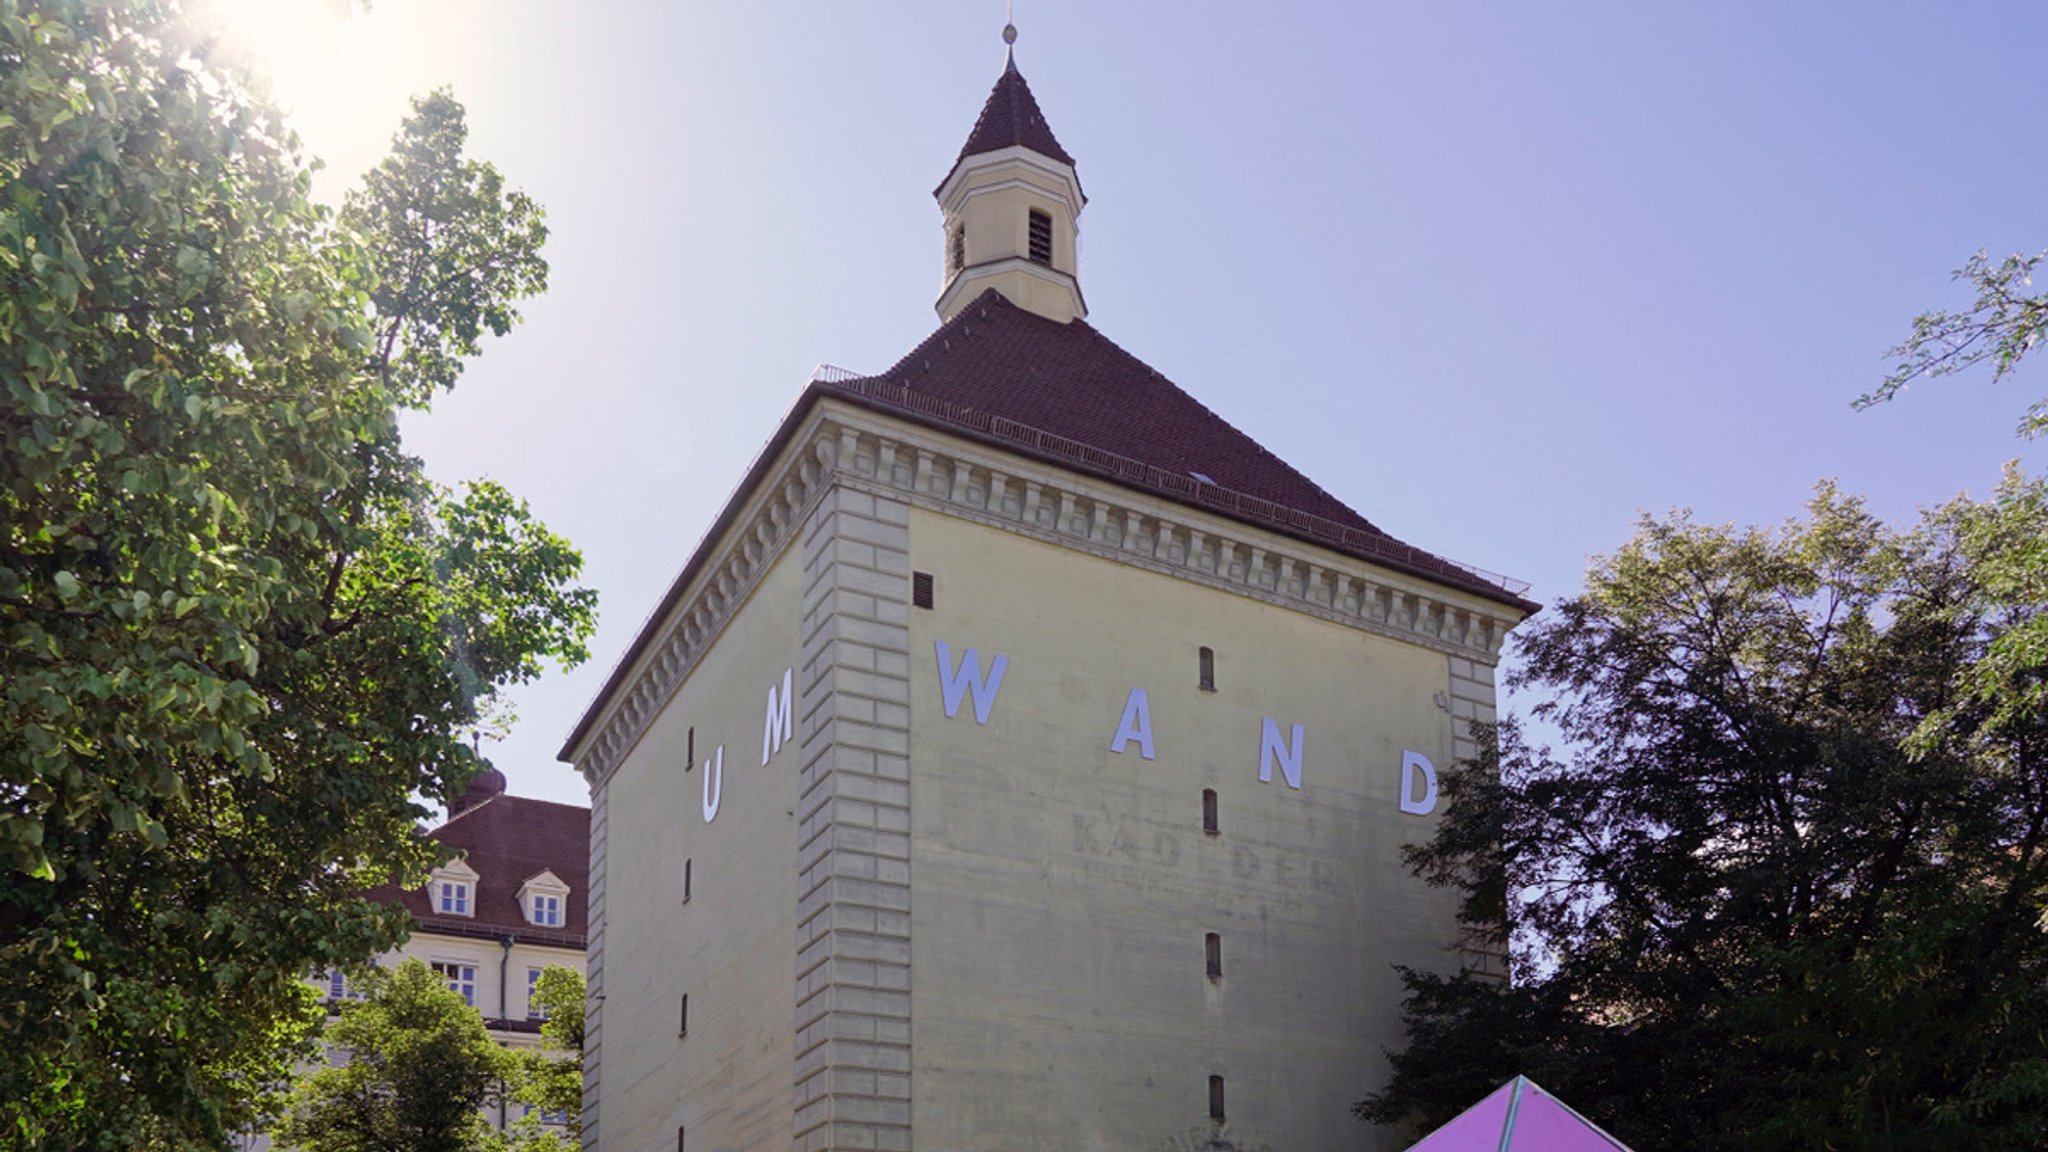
<point x="1519" y="1117"/>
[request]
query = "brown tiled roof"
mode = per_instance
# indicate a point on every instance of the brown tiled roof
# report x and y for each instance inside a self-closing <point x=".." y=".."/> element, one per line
<point x="1074" y="382"/>
<point x="1011" y="117"/>
<point x="506" y="840"/>
<point x="1067" y="393"/>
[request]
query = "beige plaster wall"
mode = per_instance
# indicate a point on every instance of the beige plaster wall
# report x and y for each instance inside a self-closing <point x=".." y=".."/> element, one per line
<point x="731" y="947"/>
<point x="428" y="947"/>
<point x="1062" y="892"/>
<point x="995" y="210"/>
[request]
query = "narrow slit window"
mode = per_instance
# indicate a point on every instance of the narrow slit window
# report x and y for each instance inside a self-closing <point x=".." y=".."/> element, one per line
<point x="687" y="862"/>
<point x="679" y="1138"/>
<point x="1213" y="948"/>
<point x="1041" y="238"/>
<point x="921" y="589"/>
<point x="1215" y="1097"/>
<point x="1209" y="811"/>
<point x="683" y="1017"/>
<point x="690" y="750"/>
<point x="956" y="248"/>
<point x="1206" y="661"/>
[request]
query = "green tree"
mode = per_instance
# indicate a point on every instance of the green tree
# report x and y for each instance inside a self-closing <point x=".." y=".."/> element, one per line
<point x="2007" y="320"/>
<point x="412" y="1070"/>
<point x="551" y="1081"/>
<point x="240" y="631"/>
<point x="1776" y="889"/>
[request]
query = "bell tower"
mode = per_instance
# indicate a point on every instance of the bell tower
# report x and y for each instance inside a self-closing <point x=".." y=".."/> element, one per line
<point x="1010" y="206"/>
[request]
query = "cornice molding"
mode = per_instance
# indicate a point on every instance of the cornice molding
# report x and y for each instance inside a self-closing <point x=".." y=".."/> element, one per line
<point x="769" y="522"/>
<point x="982" y="484"/>
<point x="950" y="193"/>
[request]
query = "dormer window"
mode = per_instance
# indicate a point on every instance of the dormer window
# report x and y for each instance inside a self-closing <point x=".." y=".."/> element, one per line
<point x="544" y="899"/>
<point x="452" y="890"/>
<point x="1041" y="238"/>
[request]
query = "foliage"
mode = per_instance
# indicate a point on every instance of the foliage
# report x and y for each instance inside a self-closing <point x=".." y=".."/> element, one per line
<point x="456" y="249"/>
<point x="552" y="1081"/>
<point x="412" y="1071"/>
<point x="1778" y="889"/>
<point x="239" y="629"/>
<point x="2007" y="321"/>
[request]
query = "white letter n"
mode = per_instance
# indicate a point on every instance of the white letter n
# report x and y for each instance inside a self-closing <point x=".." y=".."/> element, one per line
<point x="1271" y="750"/>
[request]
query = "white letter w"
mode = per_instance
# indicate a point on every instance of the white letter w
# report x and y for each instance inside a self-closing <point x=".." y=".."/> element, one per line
<point x="966" y="679"/>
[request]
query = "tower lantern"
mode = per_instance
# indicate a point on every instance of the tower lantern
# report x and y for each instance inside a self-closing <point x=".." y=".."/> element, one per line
<point x="1010" y="206"/>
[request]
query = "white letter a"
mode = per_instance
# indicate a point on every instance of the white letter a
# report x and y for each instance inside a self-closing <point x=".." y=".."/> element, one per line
<point x="1136" y="725"/>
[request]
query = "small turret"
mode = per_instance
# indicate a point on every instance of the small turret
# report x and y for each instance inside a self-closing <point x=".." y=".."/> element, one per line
<point x="484" y="785"/>
<point x="1010" y="208"/>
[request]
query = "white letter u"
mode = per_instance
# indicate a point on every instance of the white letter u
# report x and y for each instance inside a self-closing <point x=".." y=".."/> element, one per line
<point x="714" y="784"/>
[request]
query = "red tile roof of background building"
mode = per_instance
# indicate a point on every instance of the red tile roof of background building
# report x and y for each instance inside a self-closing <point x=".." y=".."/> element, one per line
<point x="506" y="840"/>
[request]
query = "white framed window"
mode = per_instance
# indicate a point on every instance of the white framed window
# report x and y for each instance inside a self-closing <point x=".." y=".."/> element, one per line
<point x="453" y="889"/>
<point x="533" y="1010"/>
<point x="461" y="978"/>
<point x="543" y="899"/>
<point x="337" y="985"/>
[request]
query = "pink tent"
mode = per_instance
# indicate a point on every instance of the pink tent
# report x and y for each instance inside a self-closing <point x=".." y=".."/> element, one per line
<point x="1519" y="1117"/>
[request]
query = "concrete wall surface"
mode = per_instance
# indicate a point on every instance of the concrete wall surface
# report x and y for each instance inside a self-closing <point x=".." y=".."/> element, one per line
<point x="730" y="947"/>
<point x="1063" y="891"/>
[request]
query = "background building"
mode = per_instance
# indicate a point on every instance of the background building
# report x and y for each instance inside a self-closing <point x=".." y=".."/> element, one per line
<point x="512" y="902"/>
<point x="1023" y="759"/>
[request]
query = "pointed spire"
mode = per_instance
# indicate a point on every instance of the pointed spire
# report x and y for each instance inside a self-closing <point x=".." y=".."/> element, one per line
<point x="1011" y="117"/>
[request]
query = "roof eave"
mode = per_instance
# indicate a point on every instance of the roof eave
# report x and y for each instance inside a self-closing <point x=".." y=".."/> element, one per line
<point x="622" y="672"/>
<point x="1476" y="586"/>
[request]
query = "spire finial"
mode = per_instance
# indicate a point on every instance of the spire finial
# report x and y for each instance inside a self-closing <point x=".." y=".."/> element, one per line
<point x="1009" y="33"/>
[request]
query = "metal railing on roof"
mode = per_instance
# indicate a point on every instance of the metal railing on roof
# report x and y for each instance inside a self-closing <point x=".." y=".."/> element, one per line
<point x="832" y="374"/>
<point x="1229" y="501"/>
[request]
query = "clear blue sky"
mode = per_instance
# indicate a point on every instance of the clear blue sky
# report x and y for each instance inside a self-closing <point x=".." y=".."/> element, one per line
<point x="1499" y="275"/>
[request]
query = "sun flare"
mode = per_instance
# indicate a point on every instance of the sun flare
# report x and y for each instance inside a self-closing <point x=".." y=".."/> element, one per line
<point x="297" y="44"/>
<point x="340" y="71"/>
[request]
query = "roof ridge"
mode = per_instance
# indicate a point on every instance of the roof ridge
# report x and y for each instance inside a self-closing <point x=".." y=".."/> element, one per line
<point x="452" y="817"/>
<point x="487" y="801"/>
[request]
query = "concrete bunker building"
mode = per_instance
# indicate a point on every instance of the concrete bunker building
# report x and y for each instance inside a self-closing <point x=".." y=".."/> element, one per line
<point x="1023" y="759"/>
